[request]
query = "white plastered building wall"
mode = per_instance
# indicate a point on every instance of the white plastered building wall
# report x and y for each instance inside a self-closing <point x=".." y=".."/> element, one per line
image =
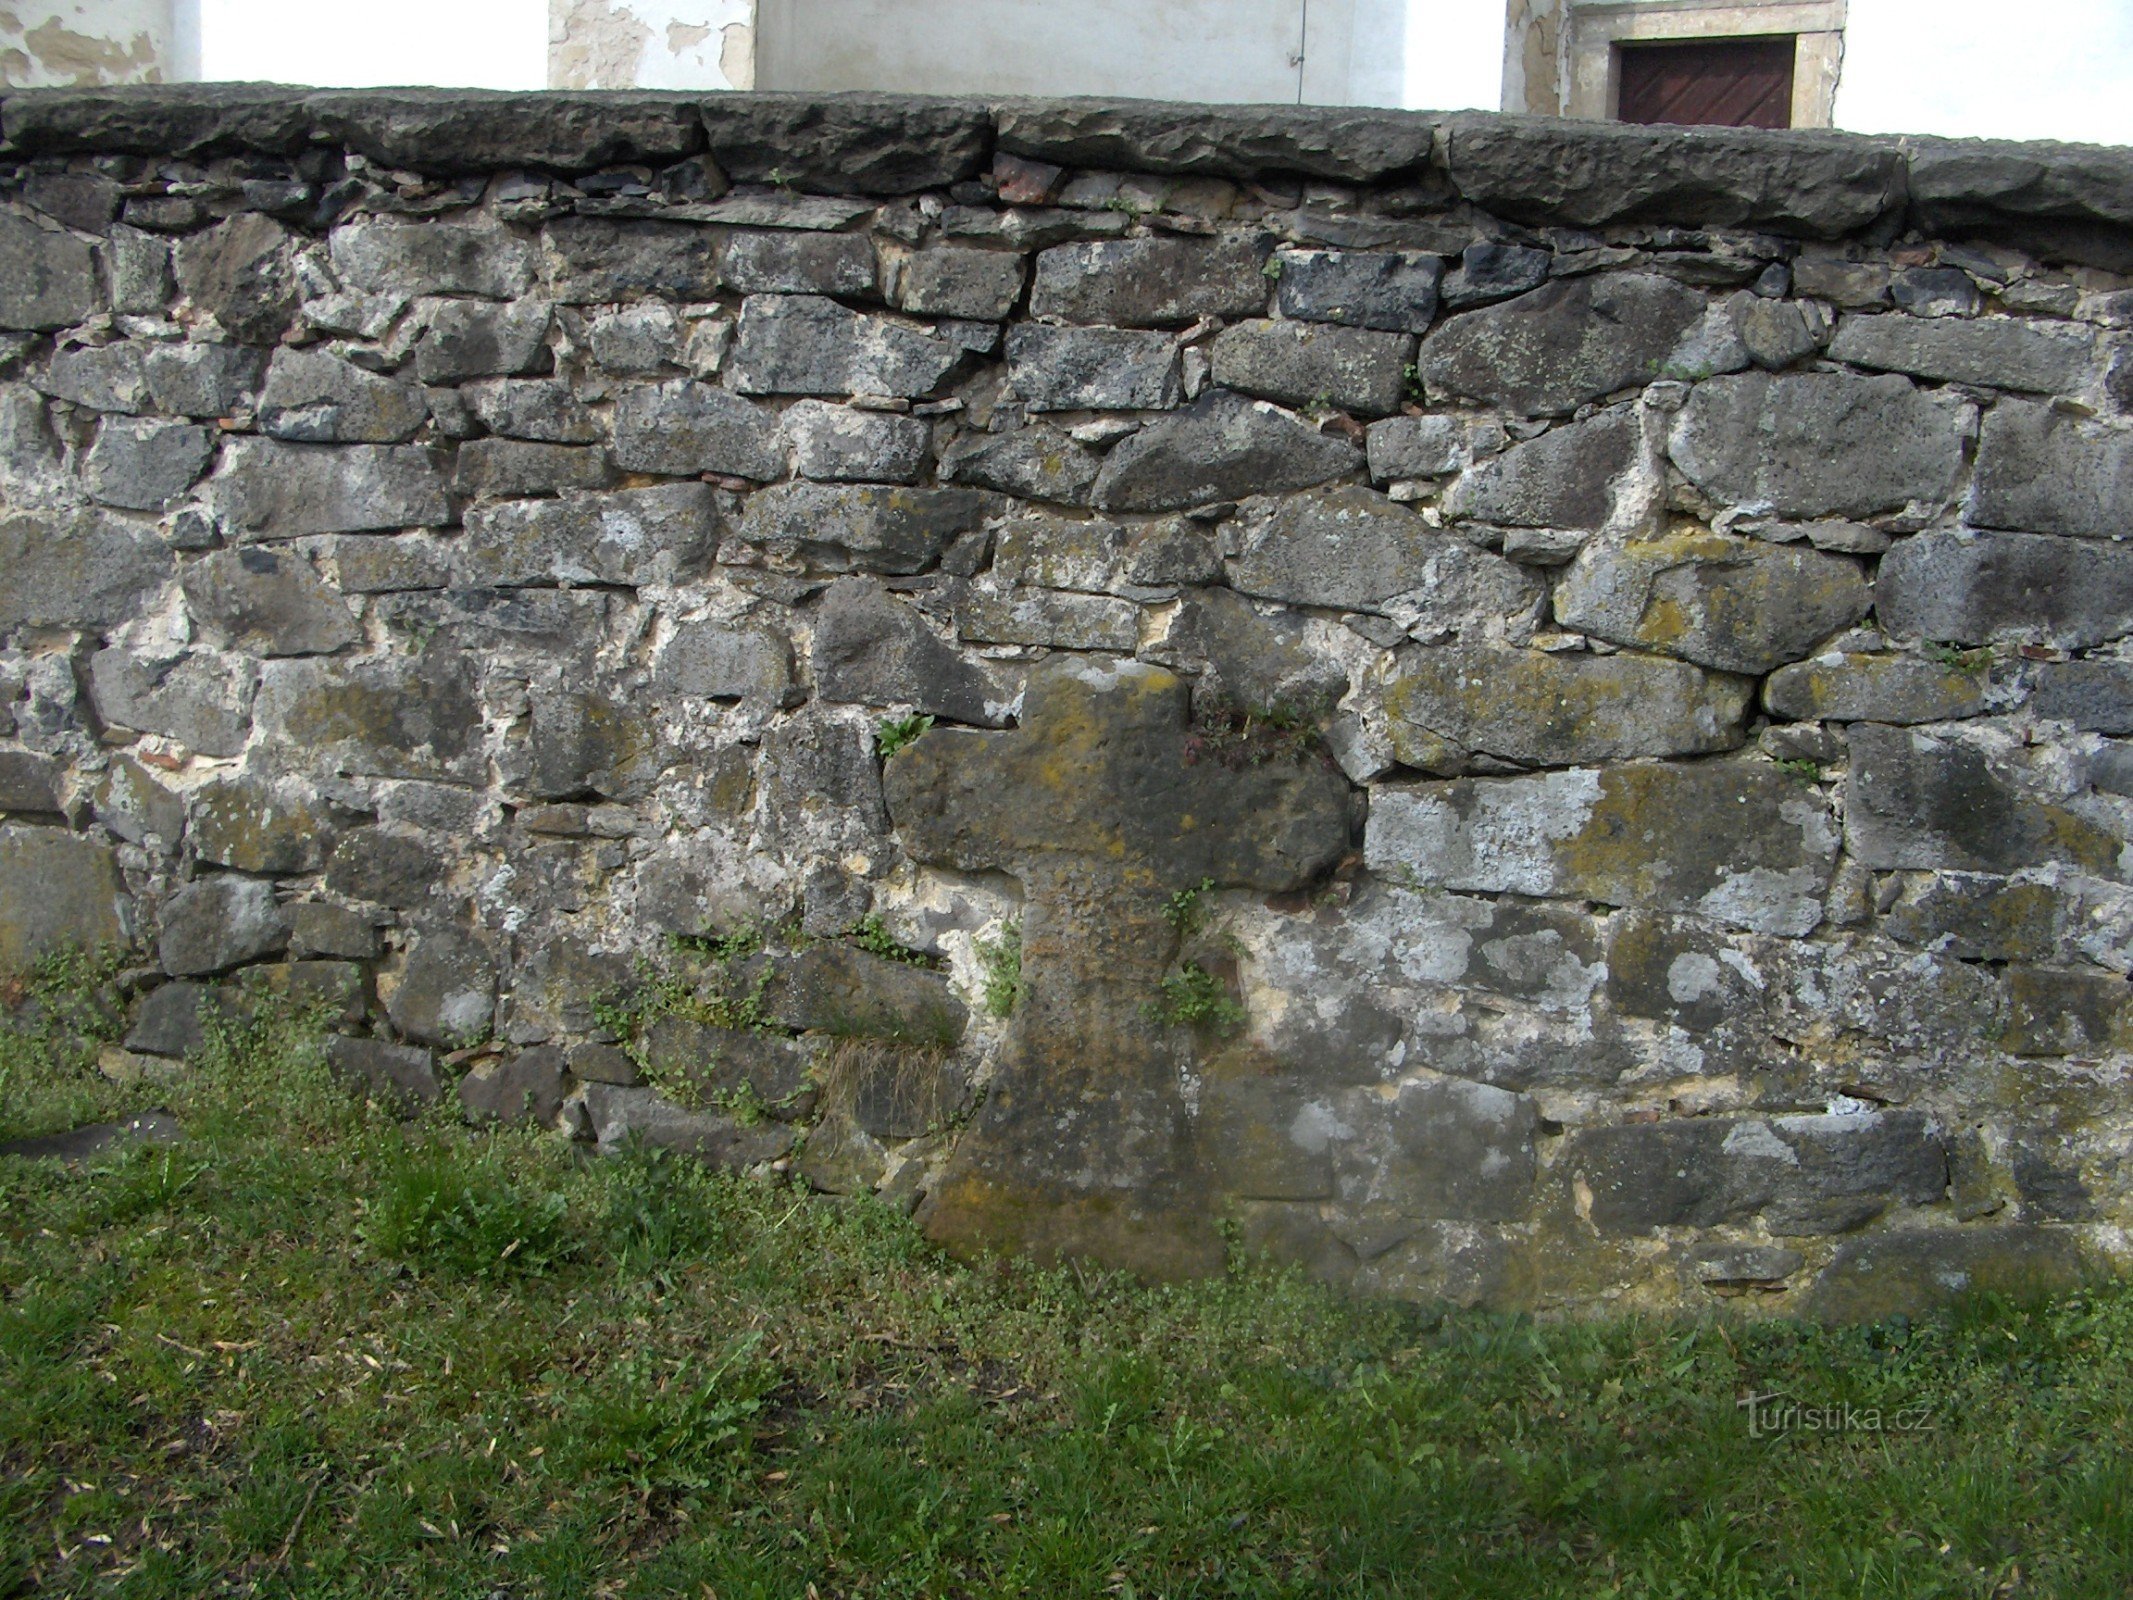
<point x="71" y="44"/>
<point x="1560" y="56"/>
<point x="1322" y="52"/>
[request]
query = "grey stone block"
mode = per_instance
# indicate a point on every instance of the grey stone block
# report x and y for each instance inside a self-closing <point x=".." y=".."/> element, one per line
<point x="836" y="444"/>
<point x="1221" y="448"/>
<point x="949" y="281"/>
<point x="477" y="339"/>
<point x="1428" y="447"/>
<point x="1976" y="589"/>
<point x="1394" y="290"/>
<point x="639" y="338"/>
<point x="871" y="649"/>
<point x="684" y="428"/>
<point x="631" y="537"/>
<point x="47" y="278"/>
<point x="1854" y="687"/>
<point x="400" y="1075"/>
<point x="1309" y="363"/>
<point x="2042" y="471"/>
<point x="446" y="993"/>
<point x="779" y="262"/>
<point x="994" y="613"/>
<point x="1149" y="283"/>
<point x="77" y="569"/>
<point x="862" y="528"/>
<point x="716" y="660"/>
<point x="29" y="783"/>
<point x="1488" y="272"/>
<point x="317" y="928"/>
<point x="243" y="271"/>
<point x="545" y="409"/>
<point x="108" y="377"/>
<point x="145" y="465"/>
<point x="1564" y="479"/>
<point x="254" y="825"/>
<point x="1577" y="339"/>
<point x="386" y="255"/>
<point x="415" y="716"/>
<point x="201" y="699"/>
<point x="385" y="866"/>
<point x="267" y="602"/>
<point x="1917" y="1269"/>
<point x="490" y="469"/>
<point x="1095" y="369"/>
<point x="1998" y="352"/>
<point x="592" y="261"/>
<point x="315" y="397"/>
<point x="57" y="892"/>
<point x="526" y="1088"/>
<point x="802" y="344"/>
<point x="213" y="924"/>
<point x="1248" y="662"/>
<point x="2095" y="696"/>
<point x="1033" y="463"/>
<point x="137" y="808"/>
<point x="203" y="380"/>
<point x="637" y="1118"/>
<point x="1915" y="800"/>
<point x="266" y="489"/>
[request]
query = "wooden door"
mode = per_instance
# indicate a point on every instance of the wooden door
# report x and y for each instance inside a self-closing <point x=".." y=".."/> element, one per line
<point x="1729" y="83"/>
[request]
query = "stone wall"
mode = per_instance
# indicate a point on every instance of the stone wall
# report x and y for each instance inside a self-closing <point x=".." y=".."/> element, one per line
<point x="1541" y="703"/>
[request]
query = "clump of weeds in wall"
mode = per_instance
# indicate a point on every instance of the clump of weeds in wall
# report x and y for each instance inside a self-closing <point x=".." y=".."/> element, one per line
<point x="1186" y="911"/>
<point x="872" y="935"/>
<point x="726" y="989"/>
<point x="1236" y="739"/>
<point x="1193" y="997"/>
<point x="892" y="734"/>
<point x="1000" y="971"/>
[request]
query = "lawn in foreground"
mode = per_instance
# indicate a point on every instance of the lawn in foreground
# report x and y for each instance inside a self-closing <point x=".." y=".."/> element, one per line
<point x="312" y="1351"/>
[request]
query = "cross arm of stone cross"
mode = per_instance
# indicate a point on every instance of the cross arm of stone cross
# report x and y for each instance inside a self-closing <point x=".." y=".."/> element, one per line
<point x="1087" y="1144"/>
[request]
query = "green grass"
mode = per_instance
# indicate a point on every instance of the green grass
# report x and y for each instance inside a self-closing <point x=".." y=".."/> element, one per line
<point x="312" y="1352"/>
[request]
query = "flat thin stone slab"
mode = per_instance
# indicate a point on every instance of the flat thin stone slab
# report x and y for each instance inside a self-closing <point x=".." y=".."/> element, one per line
<point x="79" y="1144"/>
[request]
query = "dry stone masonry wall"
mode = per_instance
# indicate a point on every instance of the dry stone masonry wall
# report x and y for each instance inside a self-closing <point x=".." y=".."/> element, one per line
<point x="1514" y="712"/>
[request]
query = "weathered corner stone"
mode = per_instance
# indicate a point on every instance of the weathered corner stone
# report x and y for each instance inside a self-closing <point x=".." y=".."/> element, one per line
<point x="836" y="444"/>
<point x="1740" y="605"/>
<point x="477" y="339"/>
<point x="2042" y="471"/>
<point x="1316" y="363"/>
<point x="201" y="699"/>
<point x="1566" y="478"/>
<point x="685" y="428"/>
<point x="388" y="256"/>
<point x="1149" y="283"/>
<point x="716" y="660"/>
<point x="947" y="281"/>
<point x="545" y="409"/>
<point x="1032" y="463"/>
<point x="268" y="602"/>
<point x="637" y="1118"/>
<point x="394" y="717"/>
<point x="588" y="261"/>
<point x="871" y="649"/>
<point x="1251" y="663"/>
<point x="863" y="528"/>
<point x="989" y="612"/>
<point x="47" y="278"/>
<point x="1549" y="710"/>
<point x="801" y="344"/>
<point x="1742" y="844"/>
<point x="1351" y="549"/>
<point x="1963" y="589"/>
<point x="1998" y="352"/>
<point x="143" y="465"/>
<point x="270" y="490"/>
<point x="203" y="380"/>
<point x="1915" y="800"/>
<point x="1574" y="340"/>
<point x="633" y="537"/>
<point x="252" y="825"/>
<point x="1084" y="1144"/>
<point x="528" y="1088"/>
<point x="216" y="923"/>
<point x="2095" y="696"/>
<point x="313" y="397"/>
<point x="1917" y="1270"/>
<point x="1222" y="448"/>
<point x="446" y="992"/>
<point x="1394" y="290"/>
<point x="80" y="569"/>
<point x="1094" y="369"/>
<point x="1819" y="444"/>
<point x="57" y="892"/>
<point x="404" y="1076"/>
<point x="782" y="262"/>
<point x="1850" y="687"/>
<point x="244" y="272"/>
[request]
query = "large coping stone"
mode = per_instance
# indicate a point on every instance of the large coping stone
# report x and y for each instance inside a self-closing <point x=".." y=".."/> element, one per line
<point x="57" y="892"/>
<point x="2040" y="470"/>
<point x="1347" y="143"/>
<point x="854" y="143"/>
<point x="463" y="130"/>
<point x="1221" y="448"/>
<point x="1546" y="709"/>
<point x="1570" y="341"/>
<point x="1819" y="444"/>
<point x="2070" y="201"/>
<point x="1975" y="589"/>
<point x="1740" y="843"/>
<point x="1595" y="174"/>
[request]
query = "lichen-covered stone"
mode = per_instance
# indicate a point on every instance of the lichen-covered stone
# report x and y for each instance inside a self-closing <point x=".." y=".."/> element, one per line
<point x="1743" y="844"/>
<point x="1917" y="800"/>
<point x="526" y="1088"/>
<point x="1394" y="290"/>
<point x="387" y="255"/>
<point x="1248" y="662"/>
<point x="203" y="380"/>
<point x="1566" y="478"/>
<point x="1854" y="687"/>
<point x="718" y="660"/>
<point x="477" y="339"/>
<point x="1998" y="352"/>
<point x="1577" y="339"/>
<point x="392" y="717"/>
<point x="199" y="698"/>
<point x="385" y="866"/>
<point x="213" y="924"/>
<point x="783" y="262"/>
<point x="802" y="344"/>
<point x="1976" y="916"/>
<point x="1149" y="283"/>
<point x="1316" y="363"/>
<point x="57" y="892"/>
<point x="872" y="649"/>
<point x="2095" y="696"/>
<point x="862" y="528"/>
<point x="1975" y="589"/>
<point x="266" y="489"/>
<point x="253" y="825"/>
<point x="683" y="428"/>
<point x="1427" y="447"/>
<point x="1032" y="463"/>
<point x="82" y="569"/>
<point x="29" y="783"/>
<point x="1548" y="710"/>
<point x="587" y="260"/>
<point x="1095" y="369"/>
<point x="1447" y="1150"/>
<point x="1740" y="605"/>
<point x="2040" y="470"/>
<point x="314" y="397"/>
<point x="109" y="377"/>
<point x="837" y="444"/>
<point x="532" y="408"/>
<point x="948" y="281"/>
<point x="268" y="602"/>
<point x="1916" y="1269"/>
<point x="47" y="277"/>
<point x="994" y="613"/>
<point x="490" y="469"/>
<point x="143" y="465"/>
<point x="631" y="537"/>
<point x="446" y="989"/>
<point x="1819" y="444"/>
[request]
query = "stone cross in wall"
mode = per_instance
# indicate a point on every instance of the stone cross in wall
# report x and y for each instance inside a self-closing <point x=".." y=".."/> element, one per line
<point x="1085" y="1144"/>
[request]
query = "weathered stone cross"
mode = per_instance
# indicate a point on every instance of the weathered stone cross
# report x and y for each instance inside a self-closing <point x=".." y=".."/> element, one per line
<point x="1085" y="1144"/>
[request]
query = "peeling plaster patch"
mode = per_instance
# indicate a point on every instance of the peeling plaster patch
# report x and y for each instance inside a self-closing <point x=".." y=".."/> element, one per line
<point x="651" y="44"/>
<point x="78" y="45"/>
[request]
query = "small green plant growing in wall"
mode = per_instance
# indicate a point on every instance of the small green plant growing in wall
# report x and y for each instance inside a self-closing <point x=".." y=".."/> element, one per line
<point x="1000" y="962"/>
<point x="1193" y="997"/>
<point x="872" y="935"/>
<point x="1802" y="768"/>
<point x="1972" y="663"/>
<point x="1186" y="911"/>
<point x="894" y="733"/>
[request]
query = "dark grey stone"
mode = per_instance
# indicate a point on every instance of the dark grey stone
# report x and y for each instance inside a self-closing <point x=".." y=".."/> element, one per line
<point x="1426" y="447"/>
<point x="388" y="255"/>
<point x="990" y="612"/>
<point x="268" y="602"/>
<point x="1218" y="141"/>
<point x="545" y="409"/>
<point x="637" y="1118"/>
<point x="639" y="338"/>
<point x="400" y="1075"/>
<point x="77" y="569"/>
<point x="1096" y="369"/>
<point x="684" y="428"/>
<point x="525" y="1088"/>
<point x="492" y="469"/>
<point x="79" y="1144"/>
<point x="138" y="809"/>
<point x="1775" y="333"/>
<point x="414" y="716"/>
<point x="2077" y="1012"/>
<point x="1976" y="916"/>
<point x="446" y="993"/>
<point x="1916" y="1270"/>
<point x="315" y="397"/>
<point x="1489" y="272"/>
<point x="1975" y="589"/>
<point x="203" y="380"/>
<point x="1577" y="339"/>
<point x="584" y="744"/>
<point x="1252" y="663"/>
<point x="1854" y="687"/>
<point x="47" y="278"/>
<point x="836" y="444"/>
<point x="253" y="825"/>
<point x="949" y="281"/>
<point x="714" y="660"/>
<point x="213" y="924"/>
<point x="2095" y="696"/>
<point x="244" y="272"/>
<point x="385" y="866"/>
<point x="1563" y="479"/>
<point x="1394" y="290"/>
<point x="802" y="344"/>
<point x="1149" y="283"/>
<point x="2040" y="470"/>
<point x="172" y="1019"/>
<point x="1450" y="1150"/>
<point x="29" y="783"/>
<point x="1999" y="352"/>
<point x="858" y="527"/>
<point x="317" y="928"/>
<point x="875" y="144"/>
<point x="266" y="489"/>
<point x="632" y="537"/>
<point x="1919" y="801"/>
<point x="478" y="339"/>
<point x="108" y="377"/>
<point x="57" y="892"/>
<point x="1316" y="364"/>
<point x="587" y="260"/>
<point x="145" y="465"/>
<point x="201" y="699"/>
<point x="871" y="649"/>
<point x="1934" y="292"/>
<point x="783" y="262"/>
<point x="454" y="130"/>
<point x="140" y="272"/>
<point x="1221" y="448"/>
<point x="1034" y="463"/>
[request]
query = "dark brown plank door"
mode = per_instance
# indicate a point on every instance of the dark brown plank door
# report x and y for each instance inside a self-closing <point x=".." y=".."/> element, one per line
<point x="1731" y="83"/>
